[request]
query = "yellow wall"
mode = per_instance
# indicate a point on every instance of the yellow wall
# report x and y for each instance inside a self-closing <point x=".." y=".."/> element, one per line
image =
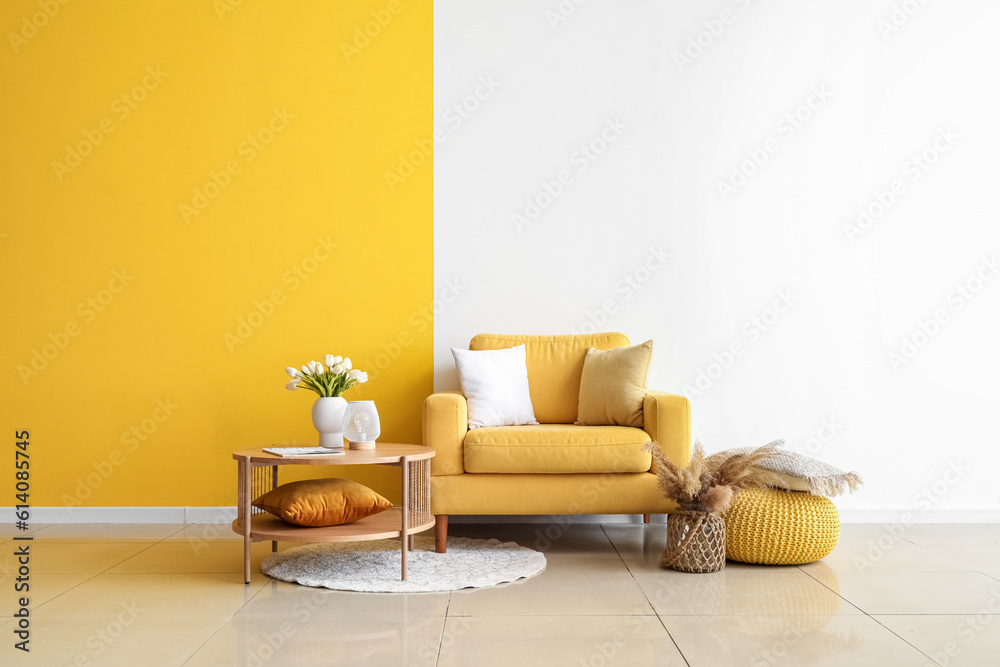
<point x="199" y="79"/>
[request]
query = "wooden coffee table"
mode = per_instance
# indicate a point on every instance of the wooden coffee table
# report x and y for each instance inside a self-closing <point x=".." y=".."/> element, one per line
<point x="258" y="474"/>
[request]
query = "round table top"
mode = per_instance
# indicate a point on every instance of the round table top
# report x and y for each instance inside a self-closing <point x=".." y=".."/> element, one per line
<point x="384" y="452"/>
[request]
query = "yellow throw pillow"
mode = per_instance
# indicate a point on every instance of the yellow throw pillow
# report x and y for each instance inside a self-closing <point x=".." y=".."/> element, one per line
<point x="322" y="502"/>
<point x="613" y="386"/>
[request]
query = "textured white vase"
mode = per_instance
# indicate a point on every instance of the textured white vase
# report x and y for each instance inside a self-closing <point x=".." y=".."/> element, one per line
<point x="328" y="418"/>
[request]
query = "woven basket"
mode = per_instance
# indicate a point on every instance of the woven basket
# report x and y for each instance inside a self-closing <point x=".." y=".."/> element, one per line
<point x="778" y="527"/>
<point x="696" y="541"/>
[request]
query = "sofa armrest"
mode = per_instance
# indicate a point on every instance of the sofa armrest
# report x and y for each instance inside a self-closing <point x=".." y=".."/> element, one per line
<point x="446" y="421"/>
<point x="667" y="420"/>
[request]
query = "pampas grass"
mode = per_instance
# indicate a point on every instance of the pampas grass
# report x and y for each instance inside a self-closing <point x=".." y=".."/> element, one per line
<point x="713" y="481"/>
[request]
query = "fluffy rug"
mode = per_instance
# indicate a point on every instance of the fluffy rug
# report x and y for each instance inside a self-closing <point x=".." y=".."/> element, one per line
<point x="374" y="567"/>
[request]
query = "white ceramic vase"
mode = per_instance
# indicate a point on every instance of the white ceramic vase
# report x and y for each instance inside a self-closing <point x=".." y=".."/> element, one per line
<point x="328" y="418"/>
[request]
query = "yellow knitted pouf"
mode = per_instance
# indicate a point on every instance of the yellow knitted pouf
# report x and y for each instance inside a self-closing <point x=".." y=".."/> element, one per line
<point x="778" y="527"/>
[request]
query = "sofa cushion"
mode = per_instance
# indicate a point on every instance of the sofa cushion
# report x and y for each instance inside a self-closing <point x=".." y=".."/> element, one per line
<point x="495" y="384"/>
<point x="555" y="364"/>
<point x="322" y="502"/>
<point x="613" y="386"/>
<point x="556" y="448"/>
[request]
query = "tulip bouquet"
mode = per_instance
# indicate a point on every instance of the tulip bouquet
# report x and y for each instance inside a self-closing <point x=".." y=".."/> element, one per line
<point x="334" y="380"/>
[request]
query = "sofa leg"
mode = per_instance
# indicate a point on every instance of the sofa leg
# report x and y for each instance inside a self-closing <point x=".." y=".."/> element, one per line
<point x="441" y="533"/>
<point x="645" y="518"/>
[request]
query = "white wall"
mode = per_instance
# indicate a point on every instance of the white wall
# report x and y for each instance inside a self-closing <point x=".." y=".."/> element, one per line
<point x="879" y="96"/>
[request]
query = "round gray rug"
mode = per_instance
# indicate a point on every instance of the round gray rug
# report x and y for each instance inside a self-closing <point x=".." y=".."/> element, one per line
<point x="374" y="567"/>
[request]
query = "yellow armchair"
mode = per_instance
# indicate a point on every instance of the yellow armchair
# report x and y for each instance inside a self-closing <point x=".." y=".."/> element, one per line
<point x="556" y="467"/>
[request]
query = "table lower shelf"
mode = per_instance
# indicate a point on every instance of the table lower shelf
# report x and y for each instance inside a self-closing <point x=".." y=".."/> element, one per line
<point x="384" y="525"/>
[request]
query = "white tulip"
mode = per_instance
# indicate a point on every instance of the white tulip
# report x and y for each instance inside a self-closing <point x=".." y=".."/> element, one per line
<point x="292" y="386"/>
<point x="317" y="368"/>
<point x="347" y="364"/>
<point x="292" y="372"/>
<point x="337" y="369"/>
<point x="331" y="361"/>
<point x="307" y="370"/>
<point x="358" y="376"/>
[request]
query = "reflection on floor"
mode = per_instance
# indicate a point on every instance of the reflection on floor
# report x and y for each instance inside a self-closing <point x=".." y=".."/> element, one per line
<point x="171" y="595"/>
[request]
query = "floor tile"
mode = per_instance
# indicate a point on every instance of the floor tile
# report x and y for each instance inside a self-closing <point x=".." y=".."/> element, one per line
<point x="190" y="556"/>
<point x="864" y="531"/>
<point x="742" y="590"/>
<point x="85" y="557"/>
<point x="123" y="639"/>
<point x="108" y="532"/>
<point x="957" y="641"/>
<point x="282" y="599"/>
<point x="42" y="588"/>
<point x="975" y="532"/>
<point x="634" y="641"/>
<point x="206" y="531"/>
<point x="975" y="555"/>
<point x="571" y="585"/>
<point x="8" y="530"/>
<point x="792" y="641"/>
<point x="888" y="553"/>
<point x="913" y="592"/>
<point x="300" y="639"/>
<point x="160" y="595"/>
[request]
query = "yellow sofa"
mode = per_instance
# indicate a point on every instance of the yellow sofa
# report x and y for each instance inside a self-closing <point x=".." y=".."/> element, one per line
<point x="555" y="467"/>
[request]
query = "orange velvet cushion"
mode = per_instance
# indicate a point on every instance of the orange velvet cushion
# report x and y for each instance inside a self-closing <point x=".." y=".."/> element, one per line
<point x="322" y="502"/>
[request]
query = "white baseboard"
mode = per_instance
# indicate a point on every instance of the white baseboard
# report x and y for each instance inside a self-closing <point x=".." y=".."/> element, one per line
<point x="126" y="514"/>
<point x="914" y="516"/>
<point x="226" y="514"/>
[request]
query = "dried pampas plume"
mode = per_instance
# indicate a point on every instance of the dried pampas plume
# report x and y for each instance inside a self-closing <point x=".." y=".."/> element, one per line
<point x="713" y="481"/>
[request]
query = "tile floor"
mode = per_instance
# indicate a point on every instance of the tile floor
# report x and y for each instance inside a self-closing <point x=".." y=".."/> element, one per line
<point x="171" y="595"/>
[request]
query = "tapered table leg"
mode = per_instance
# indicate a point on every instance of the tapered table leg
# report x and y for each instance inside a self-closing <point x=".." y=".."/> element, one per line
<point x="405" y="537"/>
<point x="441" y="533"/>
<point x="247" y="473"/>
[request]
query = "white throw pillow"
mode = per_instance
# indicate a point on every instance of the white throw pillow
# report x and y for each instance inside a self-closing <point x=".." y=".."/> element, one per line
<point x="495" y="383"/>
